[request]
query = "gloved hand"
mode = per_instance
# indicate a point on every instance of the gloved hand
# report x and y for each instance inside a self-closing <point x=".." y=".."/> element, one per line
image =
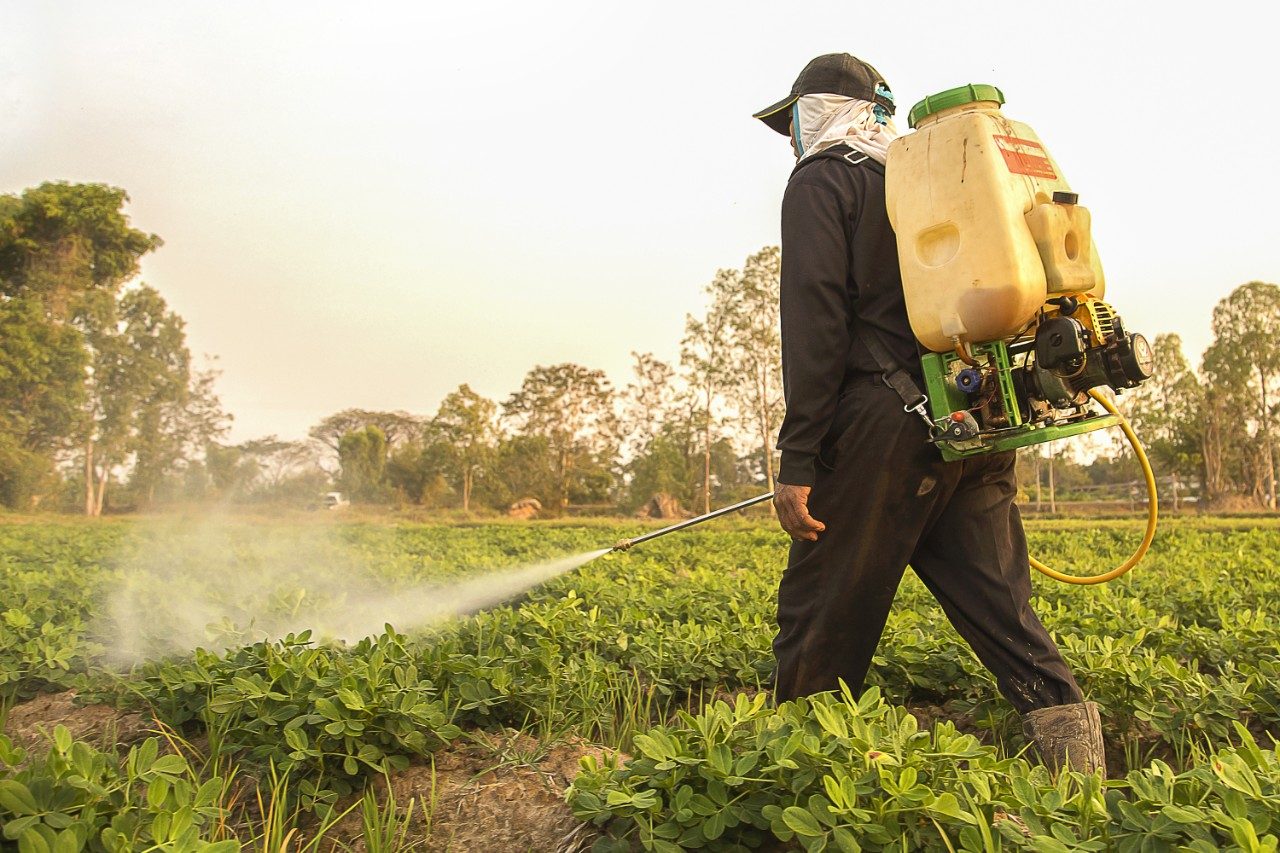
<point x="792" y="503"/>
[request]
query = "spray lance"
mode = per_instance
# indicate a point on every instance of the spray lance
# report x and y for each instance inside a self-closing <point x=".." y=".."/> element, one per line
<point x="625" y="544"/>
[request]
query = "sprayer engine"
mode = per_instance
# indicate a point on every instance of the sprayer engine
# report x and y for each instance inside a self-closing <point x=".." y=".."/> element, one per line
<point x="1035" y="386"/>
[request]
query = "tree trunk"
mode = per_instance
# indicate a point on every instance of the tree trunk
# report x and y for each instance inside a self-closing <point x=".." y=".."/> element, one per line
<point x="768" y="450"/>
<point x="102" y="490"/>
<point x="1270" y="497"/>
<point x="466" y="489"/>
<point x="1271" y="474"/>
<point x="1211" y="460"/>
<point x="564" y="480"/>
<point x="88" y="477"/>
<point x="706" y="455"/>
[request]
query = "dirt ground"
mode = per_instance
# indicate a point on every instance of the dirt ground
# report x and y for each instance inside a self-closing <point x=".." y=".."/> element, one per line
<point x="497" y="792"/>
<point x="102" y="726"/>
<point x="485" y="792"/>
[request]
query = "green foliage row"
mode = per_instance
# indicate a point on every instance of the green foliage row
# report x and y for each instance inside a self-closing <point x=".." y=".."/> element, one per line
<point x="324" y="719"/>
<point x="842" y="773"/>
<point x="1180" y="653"/>
<point x="78" y="798"/>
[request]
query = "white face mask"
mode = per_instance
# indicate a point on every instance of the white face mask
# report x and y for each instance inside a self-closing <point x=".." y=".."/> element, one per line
<point x="820" y="121"/>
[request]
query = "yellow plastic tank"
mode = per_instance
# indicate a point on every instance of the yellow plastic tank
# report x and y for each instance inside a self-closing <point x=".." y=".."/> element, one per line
<point x="987" y="226"/>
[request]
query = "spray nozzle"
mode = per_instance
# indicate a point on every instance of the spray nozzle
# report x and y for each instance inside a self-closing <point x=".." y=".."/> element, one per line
<point x="622" y="545"/>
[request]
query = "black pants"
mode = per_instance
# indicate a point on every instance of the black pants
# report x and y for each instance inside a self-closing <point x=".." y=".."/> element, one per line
<point x="888" y="499"/>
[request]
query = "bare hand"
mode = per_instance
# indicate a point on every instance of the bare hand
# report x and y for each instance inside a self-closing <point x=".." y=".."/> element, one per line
<point x="792" y="503"/>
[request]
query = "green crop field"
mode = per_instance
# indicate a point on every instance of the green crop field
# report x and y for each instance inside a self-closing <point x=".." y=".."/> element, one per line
<point x="657" y="655"/>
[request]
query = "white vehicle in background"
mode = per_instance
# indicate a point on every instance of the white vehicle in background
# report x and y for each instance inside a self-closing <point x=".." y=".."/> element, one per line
<point x="334" y="500"/>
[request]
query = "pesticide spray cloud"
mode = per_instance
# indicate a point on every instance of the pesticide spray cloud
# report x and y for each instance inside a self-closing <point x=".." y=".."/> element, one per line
<point x="219" y="584"/>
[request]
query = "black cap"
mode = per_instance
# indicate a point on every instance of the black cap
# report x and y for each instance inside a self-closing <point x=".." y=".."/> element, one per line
<point x="830" y="74"/>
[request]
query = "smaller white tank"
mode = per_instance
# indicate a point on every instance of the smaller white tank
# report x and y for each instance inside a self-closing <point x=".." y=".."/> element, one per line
<point x="987" y="226"/>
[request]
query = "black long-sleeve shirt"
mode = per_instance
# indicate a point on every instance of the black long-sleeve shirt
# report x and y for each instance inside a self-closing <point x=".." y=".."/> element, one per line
<point x="839" y="276"/>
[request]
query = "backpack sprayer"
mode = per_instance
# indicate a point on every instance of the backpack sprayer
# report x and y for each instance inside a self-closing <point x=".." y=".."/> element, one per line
<point x="1003" y="289"/>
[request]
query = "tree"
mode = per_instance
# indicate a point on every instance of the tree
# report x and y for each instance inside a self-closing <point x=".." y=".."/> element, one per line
<point x="705" y="359"/>
<point x="277" y="461"/>
<point x="647" y="403"/>
<point x="523" y="467"/>
<point x="265" y="469"/>
<point x="734" y="358"/>
<point x="231" y="470"/>
<point x="750" y="303"/>
<point x="66" y="250"/>
<point x="1242" y="366"/>
<point x="467" y="423"/>
<point x="362" y="454"/>
<point x="69" y="245"/>
<point x="1168" y="411"/>
<point x="396" y="427"/>
<point x="571" y="407"/>
<point x="42" y="385"/>
<point x="659" y="434"/>
<point x="162" y="367"/>
<point x="138" y="391"/>
<point x="418" y="471"/>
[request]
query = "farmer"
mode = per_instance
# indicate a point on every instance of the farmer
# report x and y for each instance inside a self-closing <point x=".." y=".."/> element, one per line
<point x="861" y="491"/>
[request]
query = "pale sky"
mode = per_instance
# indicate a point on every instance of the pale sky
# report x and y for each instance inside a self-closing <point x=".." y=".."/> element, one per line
<point x="368" y="204"/>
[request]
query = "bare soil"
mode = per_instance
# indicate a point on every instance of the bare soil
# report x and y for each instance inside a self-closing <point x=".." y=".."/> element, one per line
<point x="30" y="724"/>
<point x="495" y="792"/>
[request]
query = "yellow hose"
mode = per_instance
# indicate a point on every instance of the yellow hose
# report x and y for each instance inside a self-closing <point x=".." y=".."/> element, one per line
<point x="1152" y="510"/>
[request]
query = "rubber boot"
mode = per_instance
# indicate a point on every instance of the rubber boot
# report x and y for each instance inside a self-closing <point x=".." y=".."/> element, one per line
<point x="1067" y="736"/>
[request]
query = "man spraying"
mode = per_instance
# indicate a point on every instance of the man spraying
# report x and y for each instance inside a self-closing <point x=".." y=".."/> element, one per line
<point x="861" y="491"/>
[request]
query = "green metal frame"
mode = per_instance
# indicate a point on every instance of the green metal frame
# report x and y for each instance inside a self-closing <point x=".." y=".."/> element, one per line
<point x="945" y="398"/>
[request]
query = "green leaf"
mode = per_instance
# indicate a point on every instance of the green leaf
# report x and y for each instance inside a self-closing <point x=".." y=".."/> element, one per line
<point x="171" y="765"/>
<point x="946" y="805"/>
<point x="1244" y="834"/>
<point x="32" y="841"/>
<point x="351" y="699"/>
<point x="16" y="798"/>
<point x="1234" y="773"/>
<point x="14" y="828"/>
<point x="720" y="758"/>
<point x="62" y="739"/>
<point x="1183" y="814"/>
<point x="208" y="793"/>
<point x="800" y="822"/>
<point x="67" y="842"/>
<point x="651" y="748"/>
<point x="231" y="846"/>
<point x="713" y="827"/>
<point x="157" y="793"/>
<point x="846" y="841"/>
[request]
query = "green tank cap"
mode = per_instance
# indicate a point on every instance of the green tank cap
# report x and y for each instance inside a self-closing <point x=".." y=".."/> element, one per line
<point x="969" y="94"/>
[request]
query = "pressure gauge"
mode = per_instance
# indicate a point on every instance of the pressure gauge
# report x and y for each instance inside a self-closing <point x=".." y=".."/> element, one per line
<point x="1144" y="358"/>
<point x="1136" y="361"/>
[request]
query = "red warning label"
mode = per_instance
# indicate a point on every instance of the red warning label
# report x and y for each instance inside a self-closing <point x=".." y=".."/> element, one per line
<point x="1025" y="157"/>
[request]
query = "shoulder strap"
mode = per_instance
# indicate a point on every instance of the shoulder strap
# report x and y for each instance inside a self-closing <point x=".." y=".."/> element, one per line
<point x="847" y="154"/>
<point x="895" y="377"/>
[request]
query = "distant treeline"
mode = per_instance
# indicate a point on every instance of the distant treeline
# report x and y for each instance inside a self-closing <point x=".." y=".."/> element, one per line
<point x="103" y="409"/>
